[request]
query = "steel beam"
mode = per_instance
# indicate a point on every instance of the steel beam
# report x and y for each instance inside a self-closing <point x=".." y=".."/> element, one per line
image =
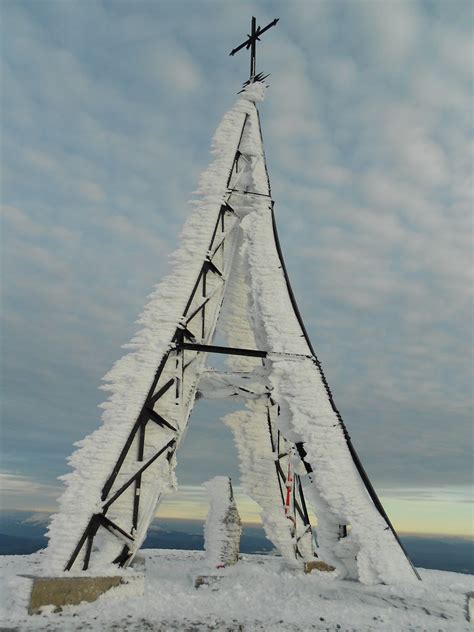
<point x="126" y="485"/>
<point x="256" y="353"/>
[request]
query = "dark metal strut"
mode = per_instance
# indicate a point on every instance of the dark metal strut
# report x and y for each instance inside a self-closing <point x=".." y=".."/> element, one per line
<point x="251" y="43"/>
<point x="255" y="353"/>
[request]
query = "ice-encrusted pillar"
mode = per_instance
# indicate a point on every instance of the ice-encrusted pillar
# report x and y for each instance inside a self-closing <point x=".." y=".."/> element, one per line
<point x="223" y="526"/>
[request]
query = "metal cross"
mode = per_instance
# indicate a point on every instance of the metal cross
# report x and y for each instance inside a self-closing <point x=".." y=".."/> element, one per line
<point x="251" y="43"/>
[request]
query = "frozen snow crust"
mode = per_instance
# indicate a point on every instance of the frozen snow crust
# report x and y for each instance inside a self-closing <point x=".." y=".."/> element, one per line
<point x="257" y="313"/>
<point x="258" y="593"/>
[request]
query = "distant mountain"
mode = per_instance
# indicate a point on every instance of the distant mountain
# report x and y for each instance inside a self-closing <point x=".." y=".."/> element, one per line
<point x="24" y="532"/>
<point x="447" y="554"/>
<point x="13" y="545"/>
<point x="189" y="538"/>
<point x="21" y="533"/>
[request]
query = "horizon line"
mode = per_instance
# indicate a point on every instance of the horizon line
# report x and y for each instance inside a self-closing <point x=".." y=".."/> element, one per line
<point x="250" y="523"/>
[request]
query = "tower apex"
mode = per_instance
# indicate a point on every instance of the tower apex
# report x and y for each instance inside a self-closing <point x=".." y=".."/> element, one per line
<point x="251" y="43"/>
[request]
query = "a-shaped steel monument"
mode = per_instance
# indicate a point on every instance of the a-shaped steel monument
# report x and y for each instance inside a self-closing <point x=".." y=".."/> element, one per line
<point x="294" y="448"/>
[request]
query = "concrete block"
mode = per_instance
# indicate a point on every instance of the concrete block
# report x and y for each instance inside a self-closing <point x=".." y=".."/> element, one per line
<point x="68" y="591"/>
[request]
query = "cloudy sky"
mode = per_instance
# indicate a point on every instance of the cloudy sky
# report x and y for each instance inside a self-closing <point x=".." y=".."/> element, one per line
<point x="108" y="109"/>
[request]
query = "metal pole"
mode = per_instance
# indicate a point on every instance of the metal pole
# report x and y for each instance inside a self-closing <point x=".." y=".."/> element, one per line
<point x="253" y="49"/>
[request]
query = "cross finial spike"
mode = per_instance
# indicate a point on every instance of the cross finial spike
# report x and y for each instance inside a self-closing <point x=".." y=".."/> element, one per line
<point x="251" y="43"/>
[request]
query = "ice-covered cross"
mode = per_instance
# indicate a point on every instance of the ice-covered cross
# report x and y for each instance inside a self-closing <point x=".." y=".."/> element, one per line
<point x="251" y="43"/>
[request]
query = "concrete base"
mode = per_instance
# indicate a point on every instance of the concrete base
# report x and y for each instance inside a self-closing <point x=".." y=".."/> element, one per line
<point x="318" y="565"/>
<point x="69" y="591"/>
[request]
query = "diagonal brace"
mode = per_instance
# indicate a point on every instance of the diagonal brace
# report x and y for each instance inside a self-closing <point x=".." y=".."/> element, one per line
<point x="126" y="485"/>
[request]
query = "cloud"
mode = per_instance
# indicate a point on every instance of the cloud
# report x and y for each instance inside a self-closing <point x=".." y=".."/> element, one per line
<point x="125" y="228"/>
<point x="394" y="28"/>
<point x="25" y="492"/>
<point x="22" y="224"/>
<point x="91" y="191"/>
<point x="38" y="518"/>
<point x="452" y="494"/>
<point x="41" y="159"/>
<point x="192" y="501"/>
<point x="173" y="68"/>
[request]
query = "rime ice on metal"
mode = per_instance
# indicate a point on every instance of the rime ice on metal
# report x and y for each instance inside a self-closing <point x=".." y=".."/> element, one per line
<point x="294" y="449"/>
<point x="223" y="527"/>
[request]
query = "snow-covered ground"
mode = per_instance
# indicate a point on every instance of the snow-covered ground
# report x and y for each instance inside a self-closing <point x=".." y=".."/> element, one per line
<point x="258" y="593"/>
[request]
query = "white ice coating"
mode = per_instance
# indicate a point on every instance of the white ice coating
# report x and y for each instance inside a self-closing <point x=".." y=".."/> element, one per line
<point x="258" y="479"/>
<point x="258" y="287"/>
<point x="223" y="527"/>
<point x="257" y="313"/>
<point x="250" y="427"/>
<point x="130" y="378"/>
<point x="370" y="552"/>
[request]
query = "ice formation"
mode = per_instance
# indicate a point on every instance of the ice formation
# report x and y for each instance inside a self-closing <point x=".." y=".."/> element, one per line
<point x="130" y="379"/>
<point x="223" y="527"/>
<point x="257" y="313"/>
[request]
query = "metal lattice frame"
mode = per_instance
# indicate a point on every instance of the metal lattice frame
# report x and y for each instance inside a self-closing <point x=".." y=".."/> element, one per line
<point x="290" y="485"/>
<point x="193" y="327"/>
<point x="189" y="346"/>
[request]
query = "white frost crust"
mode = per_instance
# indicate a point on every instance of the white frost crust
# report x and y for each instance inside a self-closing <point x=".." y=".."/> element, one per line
<point x="255" y="91"/>
<point x="223" y="527"/>
<point x="131" y="377"/>
<point x="258" y="477"/>
<point x="234" y="318"/>
<point x="370" y="552"/>
<point x="250" y="426"/>
<point x="307" y="415"/>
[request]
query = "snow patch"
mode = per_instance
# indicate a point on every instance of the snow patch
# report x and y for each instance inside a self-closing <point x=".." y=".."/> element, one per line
<point x="258" y="593"/>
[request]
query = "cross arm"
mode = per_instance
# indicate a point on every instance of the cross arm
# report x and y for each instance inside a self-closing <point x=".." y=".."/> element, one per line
<point x="253" y="37"/>
<point x="265" y="28"/>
